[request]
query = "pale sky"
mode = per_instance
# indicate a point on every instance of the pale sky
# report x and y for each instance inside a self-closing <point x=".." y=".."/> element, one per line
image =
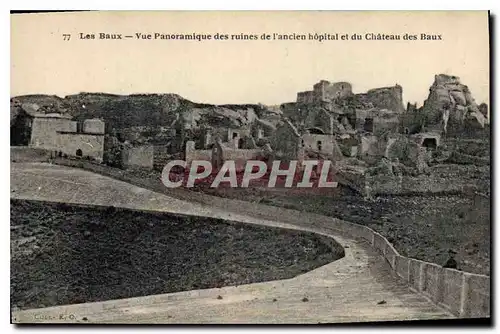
<point x="231" y="71"/>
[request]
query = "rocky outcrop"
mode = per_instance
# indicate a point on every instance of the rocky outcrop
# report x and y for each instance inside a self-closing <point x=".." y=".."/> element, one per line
<point x="483" y="109"/>
<point x="450" y="104"/>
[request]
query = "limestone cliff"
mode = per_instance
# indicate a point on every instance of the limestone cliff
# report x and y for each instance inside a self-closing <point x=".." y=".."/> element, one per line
<point x="450" y="103"/>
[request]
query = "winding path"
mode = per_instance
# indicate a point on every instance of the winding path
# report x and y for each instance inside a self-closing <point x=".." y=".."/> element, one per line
<point x="358" y="287"/>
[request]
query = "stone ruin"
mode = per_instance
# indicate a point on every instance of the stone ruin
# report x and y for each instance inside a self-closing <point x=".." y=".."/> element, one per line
<point x="404" y="159"/>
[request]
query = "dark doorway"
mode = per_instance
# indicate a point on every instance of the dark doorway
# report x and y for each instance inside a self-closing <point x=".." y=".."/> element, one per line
<point x="241" y="142"/>
<point x="79" y="153"/>
<point x="368" y="126"/>
<point x="430" y="143"/>
<point x="319" y="145"/>
<point x="20" y="131"/>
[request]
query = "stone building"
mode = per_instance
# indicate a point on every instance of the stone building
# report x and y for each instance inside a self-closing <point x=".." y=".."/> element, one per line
<point x="59" y="133"/>
<point x="67" y="137"/>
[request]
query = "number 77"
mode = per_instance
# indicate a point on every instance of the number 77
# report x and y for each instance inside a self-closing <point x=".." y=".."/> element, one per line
<point x="66" y="37"/>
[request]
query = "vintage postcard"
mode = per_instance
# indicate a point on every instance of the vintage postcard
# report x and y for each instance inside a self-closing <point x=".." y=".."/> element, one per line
<point x="248" y="167"/>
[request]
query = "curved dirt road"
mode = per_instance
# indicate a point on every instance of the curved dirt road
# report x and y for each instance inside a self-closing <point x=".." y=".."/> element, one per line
<point x="358" y="287"/>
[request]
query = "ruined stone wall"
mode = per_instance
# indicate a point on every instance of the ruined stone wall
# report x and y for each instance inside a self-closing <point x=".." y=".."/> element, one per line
<point x="93" y="126"/>
<point x="390" y="98"/>
<point x="240" y="156"/>
<point x="305" y="97"/>
<point x="422" y="184"/>
<point x="91" y="145"/>
<point x="161" y="155"/>
<point x="141" y="156"/>
<point x="326" y="91"/>
<point x="437" y="181"/>
<point x="193" y="154"/>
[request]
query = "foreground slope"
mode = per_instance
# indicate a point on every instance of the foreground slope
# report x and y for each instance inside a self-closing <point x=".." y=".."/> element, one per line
<point x="358" y="287"/>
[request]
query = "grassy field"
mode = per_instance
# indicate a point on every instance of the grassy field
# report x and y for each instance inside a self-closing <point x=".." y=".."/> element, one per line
<point x="65" y="254"/>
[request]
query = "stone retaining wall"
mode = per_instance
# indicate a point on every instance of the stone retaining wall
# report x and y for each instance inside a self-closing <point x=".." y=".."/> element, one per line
<point x="466" y="295"/>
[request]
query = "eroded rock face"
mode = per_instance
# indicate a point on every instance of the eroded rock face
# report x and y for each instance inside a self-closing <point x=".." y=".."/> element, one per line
<point x="451" y="102"/>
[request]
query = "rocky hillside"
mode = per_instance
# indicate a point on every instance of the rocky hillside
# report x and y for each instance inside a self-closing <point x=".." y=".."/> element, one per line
<point x="149" y="110"/>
